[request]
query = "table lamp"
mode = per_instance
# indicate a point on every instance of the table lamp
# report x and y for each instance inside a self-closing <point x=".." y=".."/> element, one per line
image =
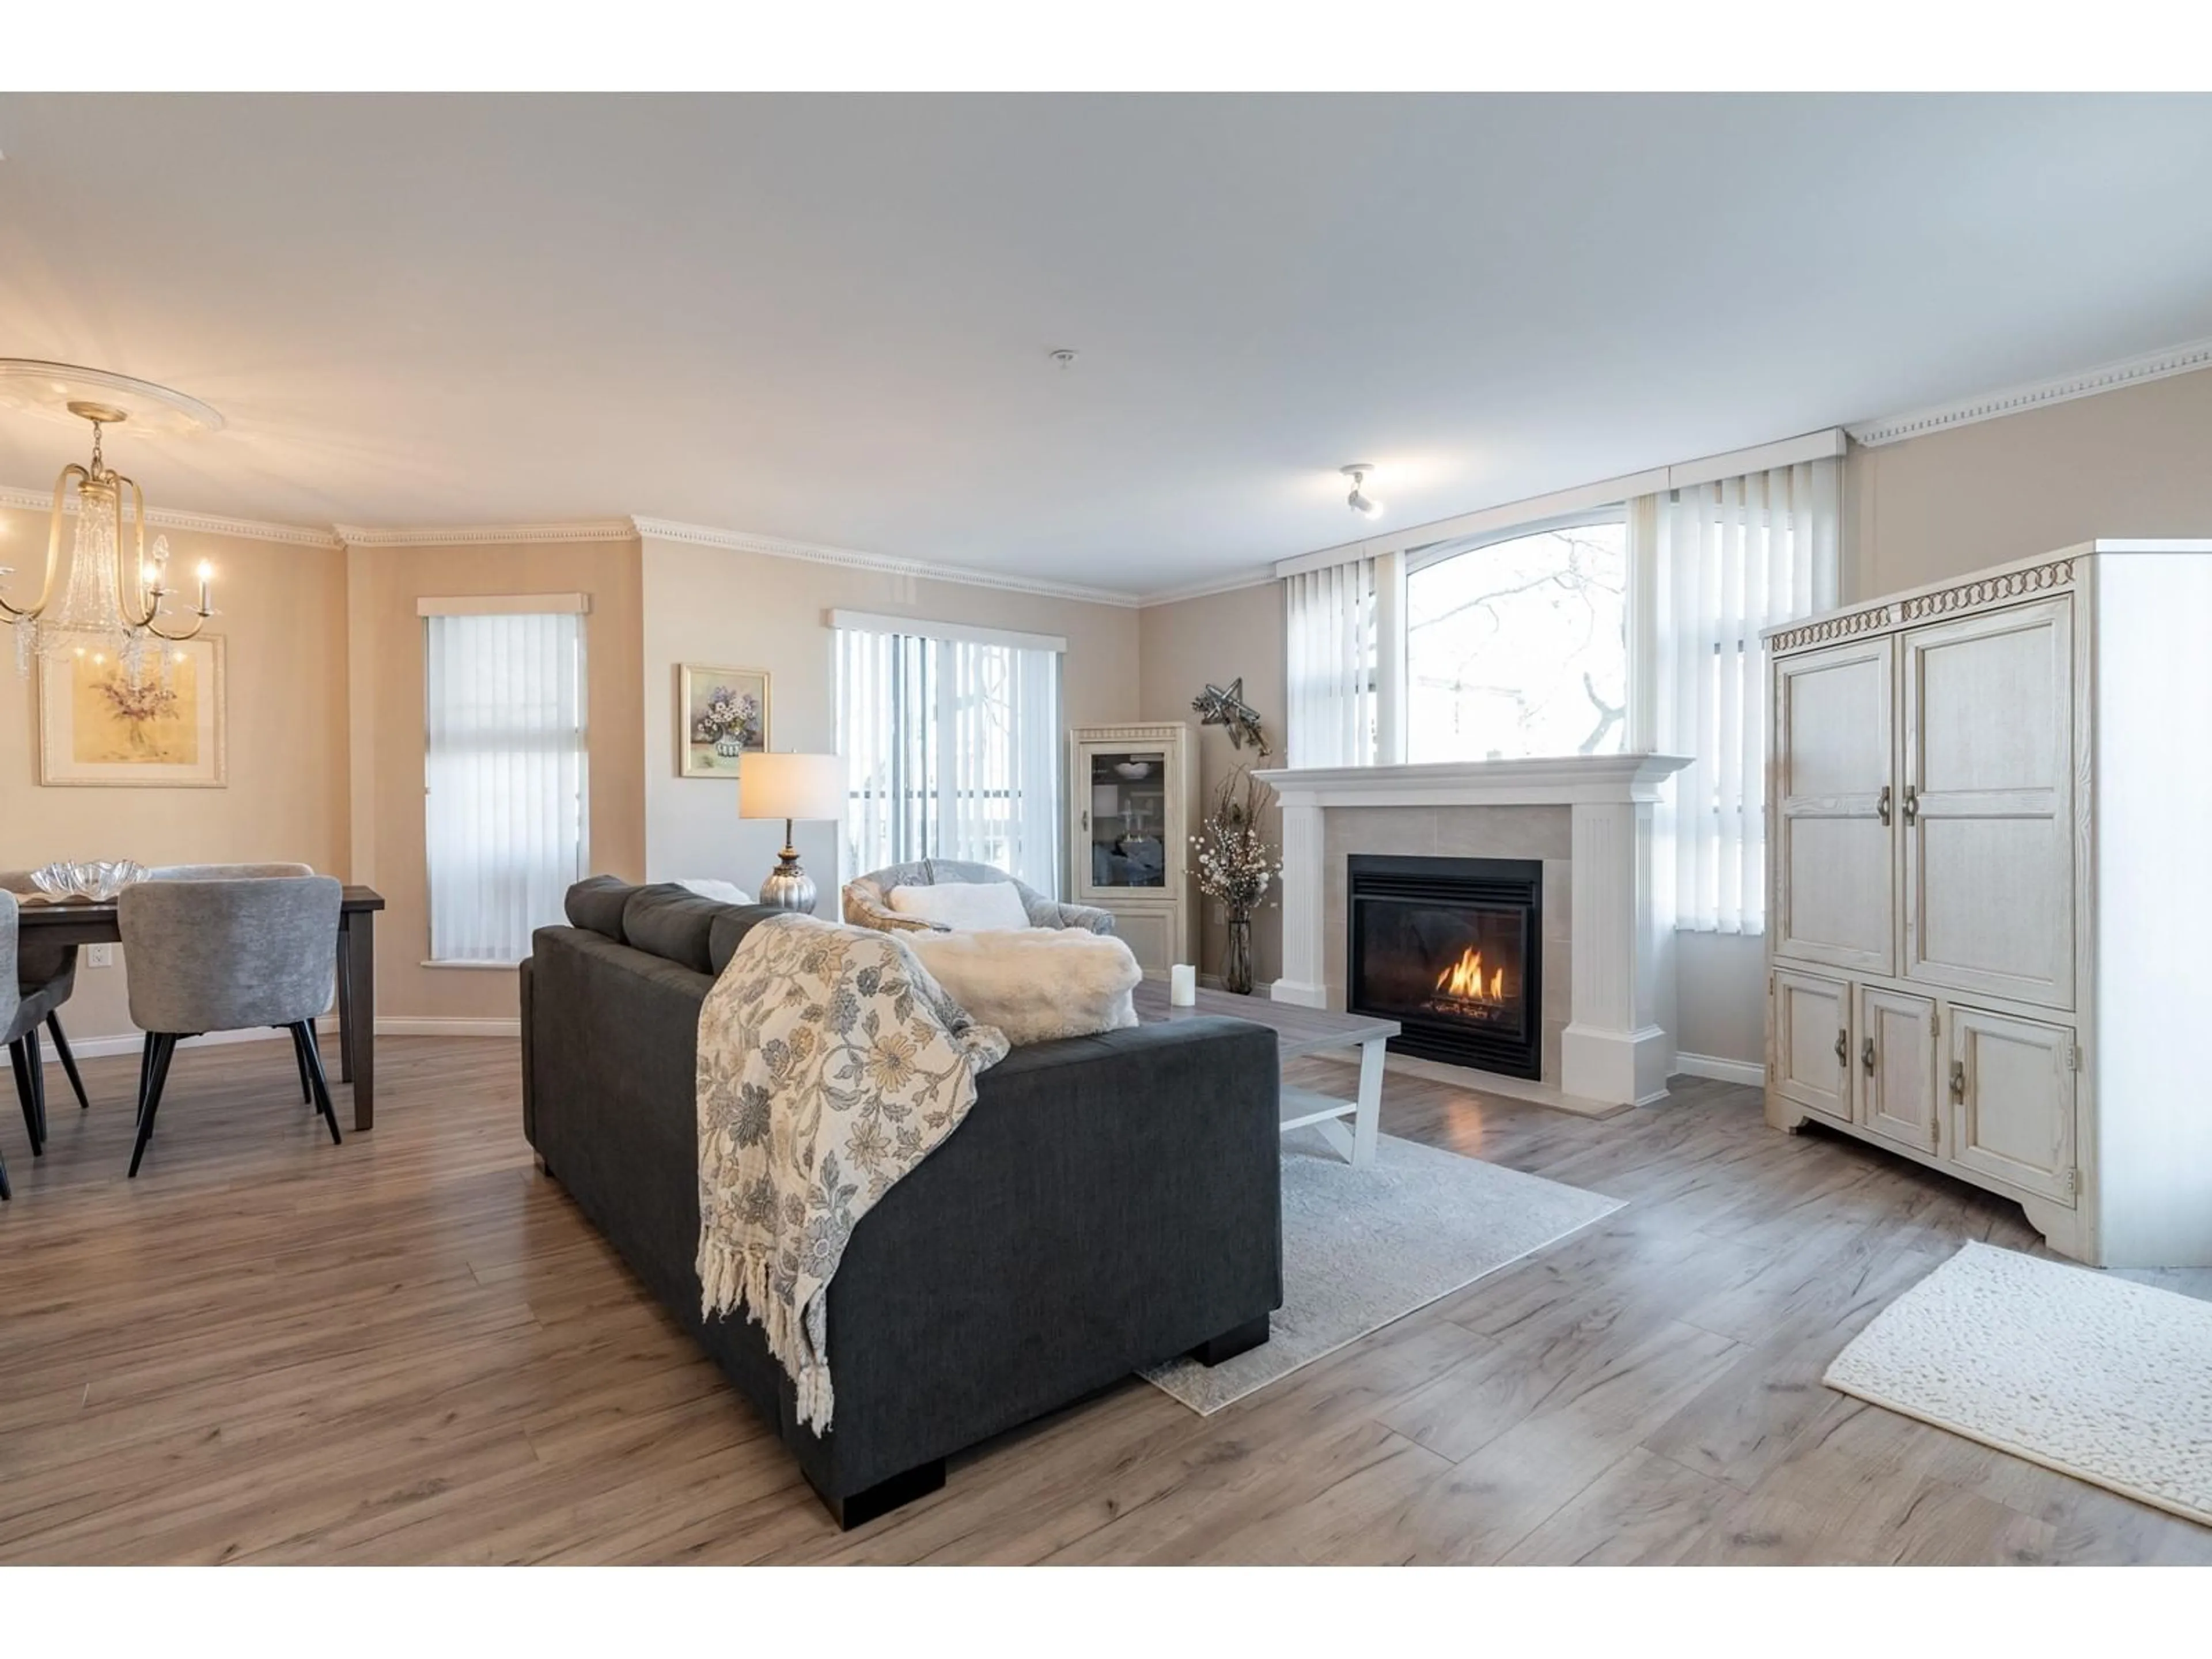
<point x="790" y="788"/>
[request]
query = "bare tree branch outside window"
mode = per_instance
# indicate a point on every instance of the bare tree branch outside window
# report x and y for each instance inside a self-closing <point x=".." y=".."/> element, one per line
<point x="1521" y="647"/>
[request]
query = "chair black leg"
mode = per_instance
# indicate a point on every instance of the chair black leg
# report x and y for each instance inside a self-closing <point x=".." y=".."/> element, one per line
<point x="34" y="1056"/>
<point x="300" y="1053"/>
<point x="69" y="1061"/>
<point x="19" y="1058"/>
<point x="303" y="1034"/>
<point x="161" y="1047"/>
<point x="4" y="1194"/>
<point x="145" y="1069"/>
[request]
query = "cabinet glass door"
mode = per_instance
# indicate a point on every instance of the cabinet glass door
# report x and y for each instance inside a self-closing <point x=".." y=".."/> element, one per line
<point x="1125" y="811"/>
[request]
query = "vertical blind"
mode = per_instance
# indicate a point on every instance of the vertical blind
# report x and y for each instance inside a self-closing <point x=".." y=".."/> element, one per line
<point x="1730" y="558"/>
<point x="952" y="746"/>
<point x="1331" y="660"/>
<point x="505" y="777"/>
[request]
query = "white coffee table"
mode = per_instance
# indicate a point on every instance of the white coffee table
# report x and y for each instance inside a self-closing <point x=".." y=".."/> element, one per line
<point x="1299" y="1032"/>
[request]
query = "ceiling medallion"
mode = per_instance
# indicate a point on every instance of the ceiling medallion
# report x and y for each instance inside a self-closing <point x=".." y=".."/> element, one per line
<point x="52" y="389"/>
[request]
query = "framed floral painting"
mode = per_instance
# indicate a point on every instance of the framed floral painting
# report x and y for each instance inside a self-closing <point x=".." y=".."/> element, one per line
<point x="163" y="730"/>
<point x="724" y="713"/>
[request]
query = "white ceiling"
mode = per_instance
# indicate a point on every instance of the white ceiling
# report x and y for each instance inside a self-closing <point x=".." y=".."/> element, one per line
<point x="827" y="318"/>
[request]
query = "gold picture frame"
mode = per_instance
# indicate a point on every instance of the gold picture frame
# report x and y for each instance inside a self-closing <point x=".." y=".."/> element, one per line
<point x="169" y="732"/>
<point x="721" y="716"/>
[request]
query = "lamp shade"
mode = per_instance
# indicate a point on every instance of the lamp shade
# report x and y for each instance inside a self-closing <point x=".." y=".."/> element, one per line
<point x="771" y="785"/>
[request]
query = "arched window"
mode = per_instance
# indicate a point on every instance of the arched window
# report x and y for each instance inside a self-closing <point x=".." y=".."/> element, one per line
<point x="1519" y="646"/>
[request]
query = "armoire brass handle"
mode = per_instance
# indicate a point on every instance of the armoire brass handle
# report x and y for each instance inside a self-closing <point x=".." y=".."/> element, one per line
<point x="1881" y="806"/>
<point x="1866" y="1056"/>
<point x="1911" y="803"/>
<point x="1958" y="1080"/>
<point x="1843" y="1047"/>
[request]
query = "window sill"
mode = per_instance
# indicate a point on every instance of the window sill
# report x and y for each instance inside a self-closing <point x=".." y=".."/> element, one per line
<point x="478" y="967"/>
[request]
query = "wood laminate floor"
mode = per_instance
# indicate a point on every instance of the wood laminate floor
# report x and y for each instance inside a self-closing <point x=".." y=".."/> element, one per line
<point x="412" y="1348"/>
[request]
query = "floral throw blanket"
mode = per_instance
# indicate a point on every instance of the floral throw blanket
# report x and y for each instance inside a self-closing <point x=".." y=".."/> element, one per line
<point x="831" y="1064"/>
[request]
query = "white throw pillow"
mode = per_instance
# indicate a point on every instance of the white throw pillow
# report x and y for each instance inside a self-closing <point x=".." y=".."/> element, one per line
<point x="964" y="906"/>
<point x="725" y="892"/>
<point x="1035" y="983"/>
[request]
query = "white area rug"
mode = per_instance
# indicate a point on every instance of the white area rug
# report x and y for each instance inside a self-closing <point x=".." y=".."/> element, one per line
<point x="1363" y="1247"/>
<point x="2092" y="1376"/>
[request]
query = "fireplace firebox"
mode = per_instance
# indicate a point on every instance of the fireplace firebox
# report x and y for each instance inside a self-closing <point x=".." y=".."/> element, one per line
<point x="1452" y="949"/>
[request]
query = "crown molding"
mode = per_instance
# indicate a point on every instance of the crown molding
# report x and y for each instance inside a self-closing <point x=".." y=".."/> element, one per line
<point x="1263" y="577"/>
<point x="486" y="535"/>
<point x="2013" y="400"/>
<point x="203" y="524"/>
<point x="775" y="547"/>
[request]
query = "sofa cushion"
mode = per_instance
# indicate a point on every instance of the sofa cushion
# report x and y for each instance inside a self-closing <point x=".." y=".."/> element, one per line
<point x="596" y="906"/>
<point x="1036" y="984"/>
<point x="735" y="921"/>
<point x="964" y="906"/>
<point x="666" y="921"/>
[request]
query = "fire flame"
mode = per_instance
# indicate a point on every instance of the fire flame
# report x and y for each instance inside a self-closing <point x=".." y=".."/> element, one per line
<point x="1464" y="979"/>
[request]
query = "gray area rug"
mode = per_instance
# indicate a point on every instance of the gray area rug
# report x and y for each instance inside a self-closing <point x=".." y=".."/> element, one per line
<point x="1363" y="1247"/>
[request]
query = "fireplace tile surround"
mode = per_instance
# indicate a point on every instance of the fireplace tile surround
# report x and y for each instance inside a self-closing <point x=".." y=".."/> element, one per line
<point x="1587" y="817"/>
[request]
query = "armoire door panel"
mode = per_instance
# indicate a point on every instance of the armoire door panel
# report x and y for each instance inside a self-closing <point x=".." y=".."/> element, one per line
<point x="1898" y="1092"/>
<point x="1833" y="808"/>
<point x="2012" y="1102"/>
<point x="1988" y="806"/>
<point x="1812" y="1041"/>
<point x="1150" y="935"/>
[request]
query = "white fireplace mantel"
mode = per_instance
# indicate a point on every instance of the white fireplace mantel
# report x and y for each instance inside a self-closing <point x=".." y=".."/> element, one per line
<point x="1614" y="1050"/>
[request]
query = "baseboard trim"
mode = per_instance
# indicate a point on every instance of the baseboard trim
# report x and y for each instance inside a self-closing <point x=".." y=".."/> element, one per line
<point x="468" y="1027"/>
<point x="132" y="1042"/>
<point x="1721" y="1071"/>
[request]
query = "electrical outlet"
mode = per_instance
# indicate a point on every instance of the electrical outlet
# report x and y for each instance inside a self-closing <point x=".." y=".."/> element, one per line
<point x="100" y="956"/>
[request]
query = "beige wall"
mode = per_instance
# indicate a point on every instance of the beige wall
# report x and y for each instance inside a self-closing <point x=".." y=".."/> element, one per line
<point x="1184" y="647"/>
<point x="708" y="604"/>
<point x="281" y="616"/>
<point x="388" y="736"/>
<point x="2129" y="463"/>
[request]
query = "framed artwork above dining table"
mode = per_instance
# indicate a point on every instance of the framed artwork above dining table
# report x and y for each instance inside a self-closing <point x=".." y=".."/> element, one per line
<point x="165" y="729"/>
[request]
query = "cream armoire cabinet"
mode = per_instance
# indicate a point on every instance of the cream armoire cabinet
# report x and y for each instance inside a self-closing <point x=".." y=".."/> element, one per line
<point x="1989" y="888"/>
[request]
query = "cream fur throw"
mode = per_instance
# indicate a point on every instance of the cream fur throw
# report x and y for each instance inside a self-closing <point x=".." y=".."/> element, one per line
<point x="1035" y="983"/>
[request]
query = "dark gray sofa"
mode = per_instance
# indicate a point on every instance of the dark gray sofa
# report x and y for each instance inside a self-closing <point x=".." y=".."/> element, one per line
<point x="1108" y="1203"/>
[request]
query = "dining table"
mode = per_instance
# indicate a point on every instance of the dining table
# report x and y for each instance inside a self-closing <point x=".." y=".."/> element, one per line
<point x="90" y="921"/>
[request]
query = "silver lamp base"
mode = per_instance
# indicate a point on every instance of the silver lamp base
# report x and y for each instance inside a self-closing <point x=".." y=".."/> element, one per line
<point x="787" y="886"/>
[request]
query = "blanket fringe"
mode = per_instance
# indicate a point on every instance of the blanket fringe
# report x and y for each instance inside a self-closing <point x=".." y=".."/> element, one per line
<point x="730" y="1280"/>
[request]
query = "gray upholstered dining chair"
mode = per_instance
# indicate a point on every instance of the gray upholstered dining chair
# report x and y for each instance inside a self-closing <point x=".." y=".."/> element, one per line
<point x="226" y="871"/>
<point x="16" y="1013"/>
<point x="223" y="955"/>
<point x="49" y="971"/>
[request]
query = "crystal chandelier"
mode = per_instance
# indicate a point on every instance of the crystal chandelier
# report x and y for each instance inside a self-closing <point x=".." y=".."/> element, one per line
<point x="115" y="597"/>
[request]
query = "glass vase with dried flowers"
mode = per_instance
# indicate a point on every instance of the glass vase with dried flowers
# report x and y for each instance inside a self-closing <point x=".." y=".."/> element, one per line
<point x="1235" y="866"/>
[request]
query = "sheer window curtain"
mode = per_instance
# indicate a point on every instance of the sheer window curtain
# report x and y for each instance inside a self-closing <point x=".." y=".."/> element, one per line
<point x="1727" y="559"/>
<point x="953" y="745"/>
<point x="507" y="802"/>
<point x="1345" y="662"/>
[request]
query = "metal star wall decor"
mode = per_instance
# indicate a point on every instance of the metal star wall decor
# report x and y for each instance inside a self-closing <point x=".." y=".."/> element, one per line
<point x="1217" y="707"/>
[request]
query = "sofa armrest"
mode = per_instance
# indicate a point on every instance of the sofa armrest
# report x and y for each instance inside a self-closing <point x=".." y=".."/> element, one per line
<point x="1046" y="913"/>
<point x="863" y="912"/>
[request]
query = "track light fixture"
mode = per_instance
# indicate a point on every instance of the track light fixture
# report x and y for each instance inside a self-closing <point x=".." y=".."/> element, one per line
<point x="1366" y="506"/>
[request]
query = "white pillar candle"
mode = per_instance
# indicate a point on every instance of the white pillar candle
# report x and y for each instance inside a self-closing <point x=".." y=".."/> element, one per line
<point x="1182" y="985"/>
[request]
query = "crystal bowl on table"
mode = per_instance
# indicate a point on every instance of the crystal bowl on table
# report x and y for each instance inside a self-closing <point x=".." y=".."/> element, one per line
<point x="97" y="880"/>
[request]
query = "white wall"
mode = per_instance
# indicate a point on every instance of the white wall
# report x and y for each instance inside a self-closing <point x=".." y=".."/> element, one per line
<point x="711" y="605"/>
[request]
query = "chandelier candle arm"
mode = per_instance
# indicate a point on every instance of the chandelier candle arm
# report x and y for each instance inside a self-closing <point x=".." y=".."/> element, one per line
<point x="100" y="605"/>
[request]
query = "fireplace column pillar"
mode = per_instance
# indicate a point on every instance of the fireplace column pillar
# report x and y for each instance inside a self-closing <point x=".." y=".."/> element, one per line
<point x="1304" y="978"/>
<point x="1614" y="1048"/>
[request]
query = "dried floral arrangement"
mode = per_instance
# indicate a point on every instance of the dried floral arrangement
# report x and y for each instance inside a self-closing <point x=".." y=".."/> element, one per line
<point x="1235" y="861"/>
